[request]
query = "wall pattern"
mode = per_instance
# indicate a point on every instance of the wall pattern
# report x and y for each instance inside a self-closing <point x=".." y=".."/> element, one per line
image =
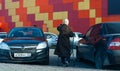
<point x="48" y="14"/>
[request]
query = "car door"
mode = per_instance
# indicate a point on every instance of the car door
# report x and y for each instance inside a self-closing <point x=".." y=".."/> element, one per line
<point x="89" y="53"/>
<point x="92" y="37"/>
<point x="95" y="34"/>
<point x="83" y="49"/>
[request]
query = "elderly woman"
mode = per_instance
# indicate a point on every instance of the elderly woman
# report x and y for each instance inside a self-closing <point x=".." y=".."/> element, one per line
<point x="63" y="45"/>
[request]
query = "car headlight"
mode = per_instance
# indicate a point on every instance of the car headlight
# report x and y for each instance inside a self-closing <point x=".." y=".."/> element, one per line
<point x="42" y="45"/>
<point x="4" y="46"/>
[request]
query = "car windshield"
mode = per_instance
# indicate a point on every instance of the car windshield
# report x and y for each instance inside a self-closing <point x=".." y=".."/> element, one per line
<point x="26" y="32"/>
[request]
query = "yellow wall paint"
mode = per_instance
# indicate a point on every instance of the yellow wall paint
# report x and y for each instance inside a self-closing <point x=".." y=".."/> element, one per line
<point x="0" y="6"/>
<point x="60" y="15"/>
<point x="12" y="5"/>
<point x="92" y="13"/>
<point x="19" y="24"/>
<point x="11" y="12"/>
<point x="50" y="27"/>
<point x="85" y="5"/>
<point x="53" y="30"/>
<point x="41" y="16"/>
<point x="33" y="10"/>
<point x="98" y="20"/>
<point x="15" y="18"/>
<point x="29" y="3"/>
<point x="49" y="23"/>
<point x="6" y="1"/>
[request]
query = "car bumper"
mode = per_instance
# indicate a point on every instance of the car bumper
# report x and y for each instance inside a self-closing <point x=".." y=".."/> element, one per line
<point x="7" y="56"/>
<point x="114" y="57"/>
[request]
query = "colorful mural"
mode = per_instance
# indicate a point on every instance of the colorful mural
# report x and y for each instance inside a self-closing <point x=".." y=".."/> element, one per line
<point x="48" y="14"/>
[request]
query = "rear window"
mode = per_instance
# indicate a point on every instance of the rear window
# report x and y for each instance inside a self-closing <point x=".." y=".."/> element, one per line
<point x="112" y="28"/>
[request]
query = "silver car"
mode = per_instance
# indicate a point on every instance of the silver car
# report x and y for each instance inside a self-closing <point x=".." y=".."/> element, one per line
<point x="51" y="38"/>
<point x="77" y="36"/>
<point x="2" y="36"/>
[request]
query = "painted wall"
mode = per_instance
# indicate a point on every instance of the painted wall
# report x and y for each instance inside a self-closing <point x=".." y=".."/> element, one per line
<point x="48" y="14"/>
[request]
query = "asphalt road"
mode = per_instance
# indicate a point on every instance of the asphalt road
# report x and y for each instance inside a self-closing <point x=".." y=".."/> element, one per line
<point x="53" y="66"/>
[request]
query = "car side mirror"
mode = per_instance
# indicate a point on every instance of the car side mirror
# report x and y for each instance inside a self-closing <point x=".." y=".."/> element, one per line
<point x="81" y="35"/>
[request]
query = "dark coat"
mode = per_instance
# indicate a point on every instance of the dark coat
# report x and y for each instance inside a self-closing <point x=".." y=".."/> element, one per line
<point x="63" y="48"/>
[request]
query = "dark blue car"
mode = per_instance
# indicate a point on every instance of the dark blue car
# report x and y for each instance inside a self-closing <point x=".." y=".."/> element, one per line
<point x="25" y="44"/>
<point x="101" y="44"/>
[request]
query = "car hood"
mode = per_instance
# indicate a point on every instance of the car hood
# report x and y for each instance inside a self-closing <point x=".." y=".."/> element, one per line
<point x="12" y="41"/>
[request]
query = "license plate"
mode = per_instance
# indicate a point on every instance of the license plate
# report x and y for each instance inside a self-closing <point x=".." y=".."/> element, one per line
<point x="22" y="54"/>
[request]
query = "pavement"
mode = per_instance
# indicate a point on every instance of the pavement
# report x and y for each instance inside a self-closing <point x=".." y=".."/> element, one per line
<point x="53" y="66"/>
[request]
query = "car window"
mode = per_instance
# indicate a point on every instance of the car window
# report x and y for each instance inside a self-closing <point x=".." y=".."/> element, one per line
<point x="80" y="35"/>
<point x="25" y="32"/>
<point x="53" y="36"/>
<point x="49" y="36"/>
<point x="96" y="31"/>
<point x="111" y="28"/>
<point x="89" y="32"/>
<point x="93" y="31"/>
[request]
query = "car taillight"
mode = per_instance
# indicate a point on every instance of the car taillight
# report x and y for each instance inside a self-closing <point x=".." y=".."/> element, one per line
<point x="115" y="44"/>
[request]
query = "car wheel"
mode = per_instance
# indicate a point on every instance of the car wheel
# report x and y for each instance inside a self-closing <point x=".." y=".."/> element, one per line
<point x="46" y="62"/>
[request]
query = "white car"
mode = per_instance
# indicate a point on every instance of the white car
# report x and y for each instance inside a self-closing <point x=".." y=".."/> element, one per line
<point x="51" y="38"/>
<point x="74" y="40"/>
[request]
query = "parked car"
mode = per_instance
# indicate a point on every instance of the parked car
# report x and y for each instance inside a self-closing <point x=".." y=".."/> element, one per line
<point x="101" y="44"/>
<point x="77" y="36"/>
<point x="25" y="44"/>
<point x="2" y="36"/>
<point x="51" y="38"/>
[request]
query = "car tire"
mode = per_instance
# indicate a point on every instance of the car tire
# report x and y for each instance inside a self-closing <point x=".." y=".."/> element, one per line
<point x="46" y="62"/>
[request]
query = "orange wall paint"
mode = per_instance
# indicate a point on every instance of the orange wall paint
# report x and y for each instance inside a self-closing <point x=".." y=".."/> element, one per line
<point x="48" y="14"/>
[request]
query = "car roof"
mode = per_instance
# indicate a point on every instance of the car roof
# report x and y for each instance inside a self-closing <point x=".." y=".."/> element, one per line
<point x="106" y="23"/>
